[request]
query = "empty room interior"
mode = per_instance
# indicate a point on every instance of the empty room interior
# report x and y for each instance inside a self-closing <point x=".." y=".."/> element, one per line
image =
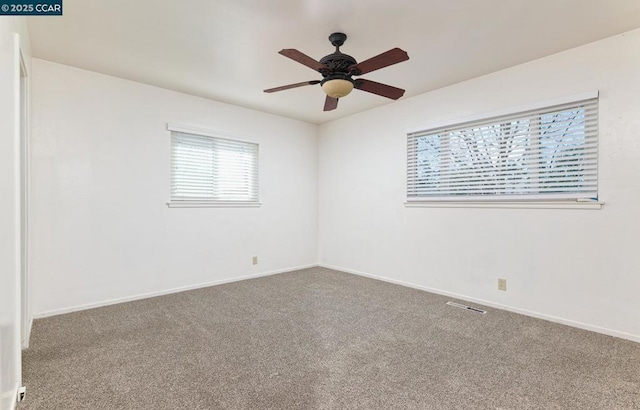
<point x="305" y="204"/>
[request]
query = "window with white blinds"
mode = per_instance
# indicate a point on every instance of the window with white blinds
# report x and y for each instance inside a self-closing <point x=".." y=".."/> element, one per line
<point x="206" y="169"/>
<point x="542" y="154"/>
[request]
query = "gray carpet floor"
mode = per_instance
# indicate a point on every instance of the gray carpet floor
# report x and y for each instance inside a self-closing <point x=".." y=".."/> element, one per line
<point x="320" y="339"/>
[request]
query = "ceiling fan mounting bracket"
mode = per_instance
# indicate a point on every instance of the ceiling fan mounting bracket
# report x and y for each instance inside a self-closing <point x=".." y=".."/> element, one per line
<point x="338" y="39"/>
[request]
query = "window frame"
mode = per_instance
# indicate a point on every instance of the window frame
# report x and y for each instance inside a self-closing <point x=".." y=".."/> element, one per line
<point x="503" y="201"/>
<point x="199" y="203"/>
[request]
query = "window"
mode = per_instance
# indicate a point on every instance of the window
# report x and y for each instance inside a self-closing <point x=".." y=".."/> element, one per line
<point x="542" y="154"/>
<point x="212" y="170"/>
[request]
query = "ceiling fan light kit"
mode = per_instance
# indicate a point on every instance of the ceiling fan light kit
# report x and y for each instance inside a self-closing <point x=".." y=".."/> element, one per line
<point x="337" y="88"/>
<point x="337" y="70"/>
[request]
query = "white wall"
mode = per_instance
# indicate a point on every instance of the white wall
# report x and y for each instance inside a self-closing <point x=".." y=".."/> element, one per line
<point x="100" y="182"/>
<point x="10" y="205"/>
<point x="578" y="266"/>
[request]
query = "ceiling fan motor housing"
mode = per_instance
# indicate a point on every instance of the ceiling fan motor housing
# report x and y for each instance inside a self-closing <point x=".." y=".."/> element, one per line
<point x="338" y="62"/>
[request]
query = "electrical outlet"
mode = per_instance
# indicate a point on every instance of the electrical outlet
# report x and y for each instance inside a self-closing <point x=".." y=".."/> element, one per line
<point x="255" y="260"/>
<point x="502" y="284"/>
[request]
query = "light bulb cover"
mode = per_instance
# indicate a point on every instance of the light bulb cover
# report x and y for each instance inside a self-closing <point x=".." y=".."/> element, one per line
<point x="337" y="88"/>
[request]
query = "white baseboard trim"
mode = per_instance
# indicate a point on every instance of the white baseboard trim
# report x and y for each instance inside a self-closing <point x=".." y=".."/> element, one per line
<point x="62" y="311"/>
<point x="550" y="318"/>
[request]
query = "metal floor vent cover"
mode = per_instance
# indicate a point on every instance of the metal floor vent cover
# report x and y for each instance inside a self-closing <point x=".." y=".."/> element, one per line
<point x="461" y="306"/>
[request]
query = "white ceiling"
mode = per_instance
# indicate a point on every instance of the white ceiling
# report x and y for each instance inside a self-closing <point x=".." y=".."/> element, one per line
<point x="226" y="50"/>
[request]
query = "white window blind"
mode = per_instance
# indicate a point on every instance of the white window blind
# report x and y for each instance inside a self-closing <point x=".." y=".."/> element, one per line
<point x="543" y="154"/>
<point x="209" y="169"/>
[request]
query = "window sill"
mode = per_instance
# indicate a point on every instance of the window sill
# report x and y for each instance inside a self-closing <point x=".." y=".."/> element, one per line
<point x="508" y="205"/>
<point x="190" y="204"/>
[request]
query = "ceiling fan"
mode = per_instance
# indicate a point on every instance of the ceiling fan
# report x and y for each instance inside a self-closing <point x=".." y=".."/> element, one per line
<point x="337" y="70"/>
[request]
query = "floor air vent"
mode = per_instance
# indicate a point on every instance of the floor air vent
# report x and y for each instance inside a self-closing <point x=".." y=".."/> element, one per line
<point x="458" y="305"/>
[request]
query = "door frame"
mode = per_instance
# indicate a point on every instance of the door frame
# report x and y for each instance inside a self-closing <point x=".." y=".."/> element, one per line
<point x="25" y="308"/>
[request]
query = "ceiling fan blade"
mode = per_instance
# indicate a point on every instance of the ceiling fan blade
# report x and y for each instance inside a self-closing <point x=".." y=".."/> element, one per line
<point x="379" y="89"/>
<point x="330" y="103"/>
<point x="286" y="87"/>
<point x="303" y="59"/>
<point x="393" y="56"/>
